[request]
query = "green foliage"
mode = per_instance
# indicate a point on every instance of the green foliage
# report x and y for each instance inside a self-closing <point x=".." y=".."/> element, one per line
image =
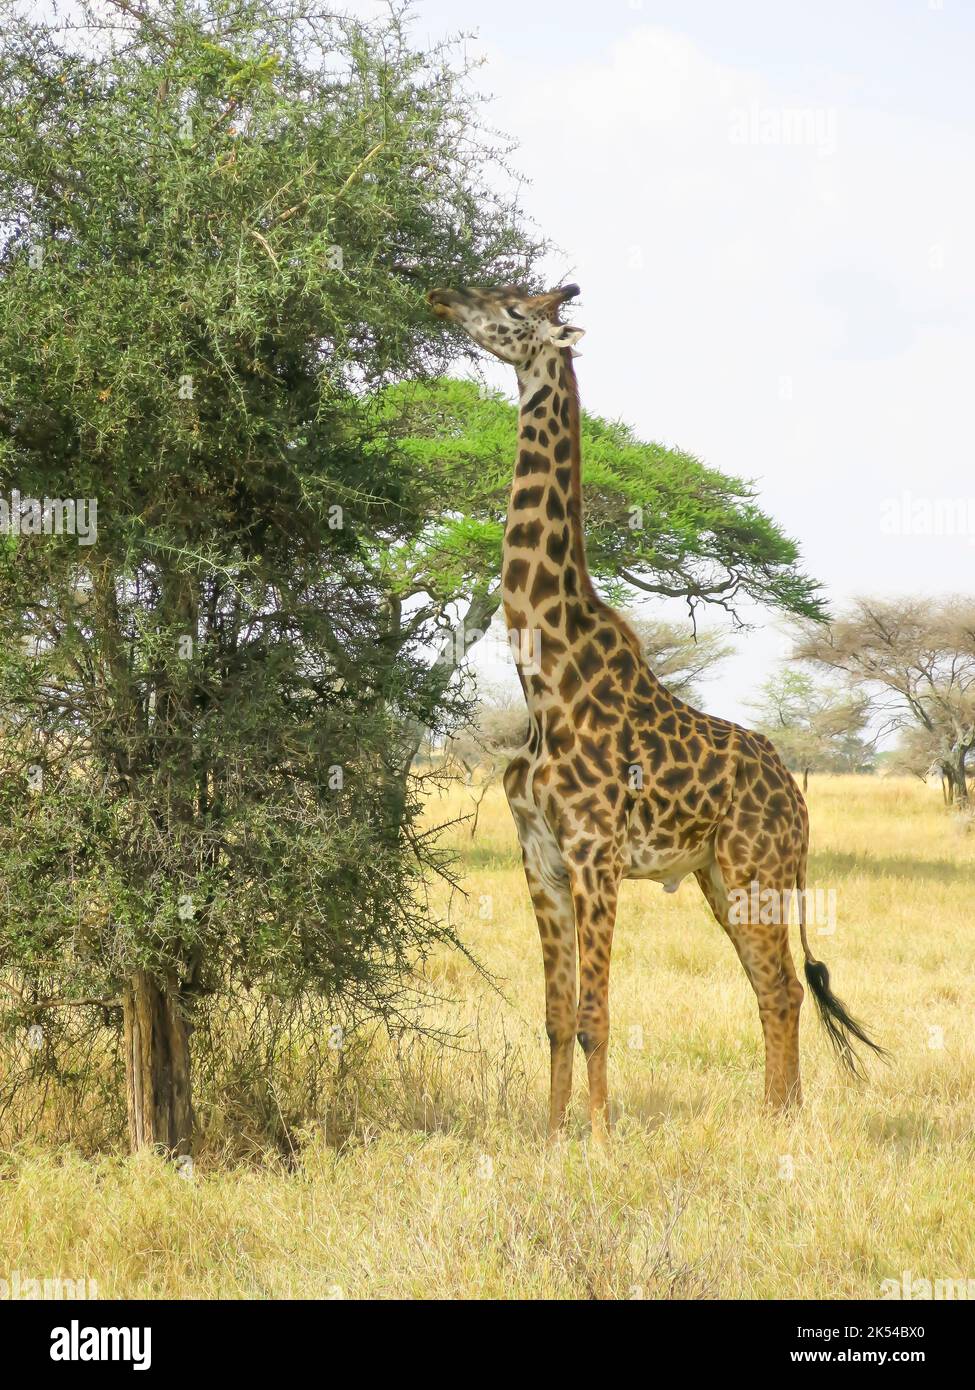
<point x="216" y="233"/>
<point x="224" y="264"/>
<point x="657" y="520"/>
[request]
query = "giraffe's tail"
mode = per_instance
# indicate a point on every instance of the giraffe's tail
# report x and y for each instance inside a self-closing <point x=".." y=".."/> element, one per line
<point x="839" y="1023"/>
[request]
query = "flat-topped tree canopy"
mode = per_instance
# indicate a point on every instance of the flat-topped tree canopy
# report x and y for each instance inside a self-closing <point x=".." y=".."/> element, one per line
<point x="657" y="520"/>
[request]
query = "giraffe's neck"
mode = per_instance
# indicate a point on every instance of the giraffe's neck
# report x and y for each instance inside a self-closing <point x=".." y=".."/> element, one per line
<point x="544" y="576"/>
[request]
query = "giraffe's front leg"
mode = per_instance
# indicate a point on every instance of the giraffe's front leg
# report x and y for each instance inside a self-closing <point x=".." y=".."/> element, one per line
<point x="556" y="928"/>
<point x="548" y="884"/>
<point x="594" y="891"/>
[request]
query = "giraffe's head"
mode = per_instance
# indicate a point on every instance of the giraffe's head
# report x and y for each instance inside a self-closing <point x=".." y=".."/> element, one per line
<point x="510" y="323"/>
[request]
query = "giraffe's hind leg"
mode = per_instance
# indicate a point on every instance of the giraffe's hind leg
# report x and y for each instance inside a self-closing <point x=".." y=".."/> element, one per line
<point x="763" y="949"/>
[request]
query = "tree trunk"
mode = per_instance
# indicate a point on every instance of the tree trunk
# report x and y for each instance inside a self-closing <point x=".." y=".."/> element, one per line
<point x="805" y="779"/>
<point x="948" y="776"/>
<point x="961" y="781"/>
<point x="157" y="1067"/>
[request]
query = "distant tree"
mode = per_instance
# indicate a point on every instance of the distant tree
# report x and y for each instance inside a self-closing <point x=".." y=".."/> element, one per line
<point x="918" y="753"/>
<point x="915" y="660"/>
<point x="483" y="747"/>
<point x="680" y="657"/>
<point x="486" y="742"/>
<point x="815" y="728"/>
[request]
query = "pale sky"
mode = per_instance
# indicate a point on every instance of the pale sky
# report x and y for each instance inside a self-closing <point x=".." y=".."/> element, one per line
<point x="770" y="208"/>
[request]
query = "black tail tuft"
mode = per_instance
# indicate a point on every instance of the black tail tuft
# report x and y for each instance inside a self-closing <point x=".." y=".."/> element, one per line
<point x="837" y="1021"/>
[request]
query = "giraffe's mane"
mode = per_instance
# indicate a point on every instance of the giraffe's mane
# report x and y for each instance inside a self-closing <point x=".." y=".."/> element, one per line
<point x="585" y="578"/>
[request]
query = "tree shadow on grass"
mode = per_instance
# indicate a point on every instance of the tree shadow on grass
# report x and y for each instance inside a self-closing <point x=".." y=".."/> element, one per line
<point x="905" y="1131"/>
<point x="824" y="864"/>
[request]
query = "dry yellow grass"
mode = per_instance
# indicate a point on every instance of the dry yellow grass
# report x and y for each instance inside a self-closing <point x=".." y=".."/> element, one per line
<point x="444" y="1191"/>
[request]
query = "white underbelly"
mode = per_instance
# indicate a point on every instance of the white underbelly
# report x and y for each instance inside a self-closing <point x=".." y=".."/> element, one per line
<point x="667" y="866"/>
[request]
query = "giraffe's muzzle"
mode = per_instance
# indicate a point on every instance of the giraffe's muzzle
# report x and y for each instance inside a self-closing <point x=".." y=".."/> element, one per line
<point x="443" y="302"/>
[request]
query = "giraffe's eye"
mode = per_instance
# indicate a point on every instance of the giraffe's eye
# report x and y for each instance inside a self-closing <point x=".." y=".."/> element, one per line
<point x="514" y="314"/>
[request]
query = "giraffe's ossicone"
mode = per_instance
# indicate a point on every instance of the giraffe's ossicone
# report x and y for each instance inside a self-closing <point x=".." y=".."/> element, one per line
<point x="619" y="778"/>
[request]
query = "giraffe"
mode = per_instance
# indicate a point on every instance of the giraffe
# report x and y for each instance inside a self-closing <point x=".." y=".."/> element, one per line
<point x="619" y="778"/>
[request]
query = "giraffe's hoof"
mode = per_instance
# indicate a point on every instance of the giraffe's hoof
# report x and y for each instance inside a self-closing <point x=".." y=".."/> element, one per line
<point x="602" y="1147"/>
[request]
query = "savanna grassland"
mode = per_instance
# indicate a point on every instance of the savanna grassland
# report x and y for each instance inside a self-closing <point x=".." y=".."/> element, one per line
<point x="440" y="1188"/>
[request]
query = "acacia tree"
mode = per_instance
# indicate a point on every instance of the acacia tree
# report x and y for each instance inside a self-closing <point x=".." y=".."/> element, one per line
<point x="658" y="522"/>
<point x="915" y="659"/>
<point x="217" y="217"/>
<point x="816" y="728"/>
<point x="919" y="753"/>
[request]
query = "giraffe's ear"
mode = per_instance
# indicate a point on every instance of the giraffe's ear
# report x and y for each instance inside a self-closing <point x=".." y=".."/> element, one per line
<point x="564" y="335"/>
